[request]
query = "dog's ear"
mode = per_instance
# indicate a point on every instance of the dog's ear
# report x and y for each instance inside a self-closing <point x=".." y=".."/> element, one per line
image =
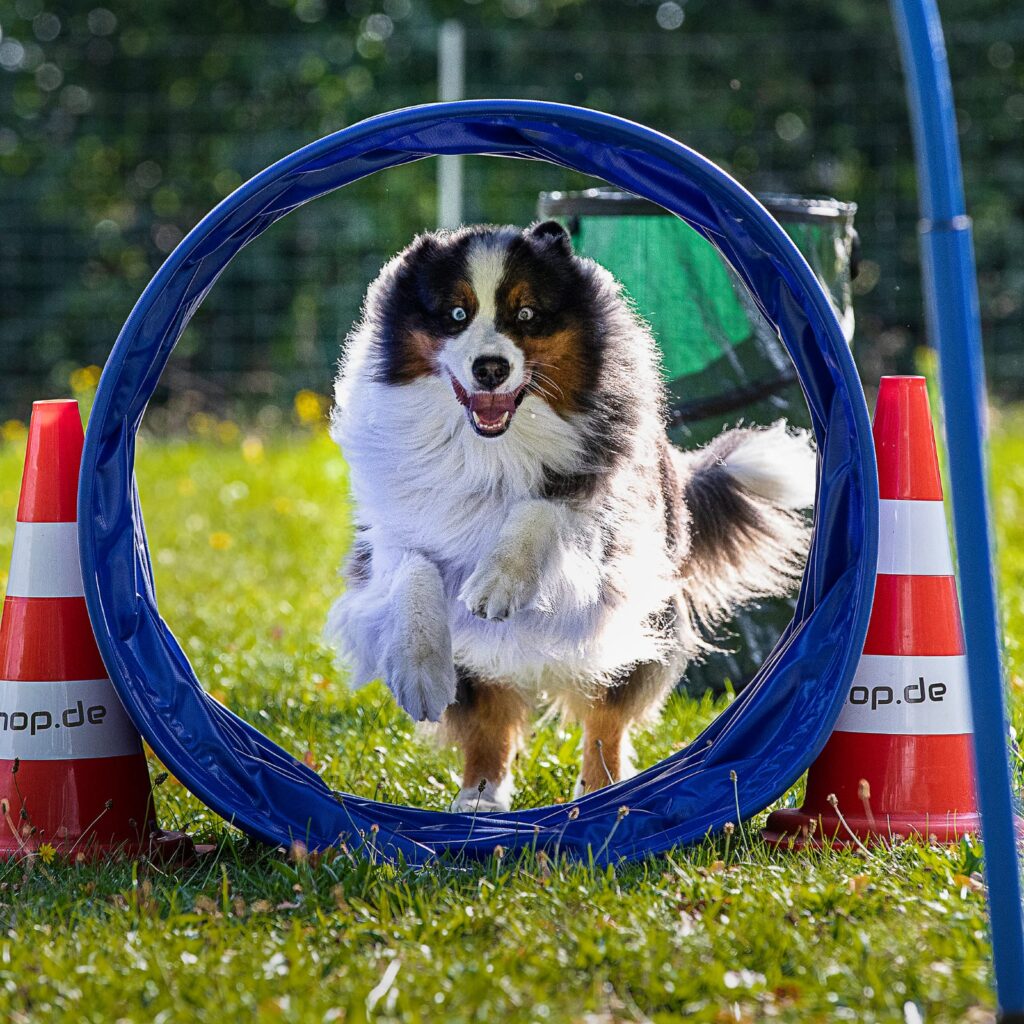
<point x="425" y="244"/>
<point x="551" y="234"/>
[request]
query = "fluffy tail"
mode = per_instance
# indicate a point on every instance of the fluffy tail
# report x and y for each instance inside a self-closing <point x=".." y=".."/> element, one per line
<point x="748" y="538"/>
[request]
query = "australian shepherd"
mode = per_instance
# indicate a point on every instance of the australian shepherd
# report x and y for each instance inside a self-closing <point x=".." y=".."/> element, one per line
<point x="526" y="534"/>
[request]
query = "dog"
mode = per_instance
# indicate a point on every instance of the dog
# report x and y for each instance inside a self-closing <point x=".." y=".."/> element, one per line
<point x="526" y="534"/>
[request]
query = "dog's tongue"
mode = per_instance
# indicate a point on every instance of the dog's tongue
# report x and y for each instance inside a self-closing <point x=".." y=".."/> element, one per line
<point x="490" y="407"/>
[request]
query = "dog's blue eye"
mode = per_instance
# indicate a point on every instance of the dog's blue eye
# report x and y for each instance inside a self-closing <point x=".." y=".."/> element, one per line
<point x="458" y="313"/>
<point x="526" y="313"/>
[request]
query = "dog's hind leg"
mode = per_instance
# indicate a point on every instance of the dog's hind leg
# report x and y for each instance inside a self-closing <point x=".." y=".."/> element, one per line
<point x="608" y="719"/>
<point x="487" y="721"/>
<point x="607" y="751"/>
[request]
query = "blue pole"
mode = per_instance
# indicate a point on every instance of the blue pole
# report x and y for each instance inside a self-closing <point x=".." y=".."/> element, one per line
<point x="953" y="323"/>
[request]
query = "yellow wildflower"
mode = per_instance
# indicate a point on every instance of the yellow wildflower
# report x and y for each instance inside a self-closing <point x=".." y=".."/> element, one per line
<point x="310" y="407"/>
<point x="14" y="431"/>
<point x="84" y="379"/>
<point x="252" y="449"/>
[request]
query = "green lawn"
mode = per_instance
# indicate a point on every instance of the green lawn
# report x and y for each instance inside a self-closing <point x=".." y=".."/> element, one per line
<point x="246" y="534"/>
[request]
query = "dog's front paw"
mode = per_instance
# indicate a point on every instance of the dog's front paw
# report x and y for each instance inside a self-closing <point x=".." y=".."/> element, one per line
<point x="500" y="587"/>
<point x="421" y="675"/>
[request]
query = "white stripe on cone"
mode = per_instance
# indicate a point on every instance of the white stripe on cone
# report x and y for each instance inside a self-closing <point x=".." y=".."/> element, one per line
<point x="64" y="721"/>
<point x="908" y="695"/>
<point x="912" y="538"/>
<point x="44" y="562"/>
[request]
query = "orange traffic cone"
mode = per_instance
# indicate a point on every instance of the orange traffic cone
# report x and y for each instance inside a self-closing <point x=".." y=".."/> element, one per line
<point x="899" y="762"/>
<point x="72" y="770"/>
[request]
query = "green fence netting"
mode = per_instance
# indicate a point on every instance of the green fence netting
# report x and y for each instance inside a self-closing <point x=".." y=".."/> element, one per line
<point x="723" y="362"/>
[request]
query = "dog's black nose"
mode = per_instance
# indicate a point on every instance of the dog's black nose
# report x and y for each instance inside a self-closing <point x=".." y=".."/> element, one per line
<point x="490" y="371"/>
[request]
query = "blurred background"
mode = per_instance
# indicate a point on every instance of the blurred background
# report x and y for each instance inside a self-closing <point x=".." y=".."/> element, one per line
<point x="121" y="125"/>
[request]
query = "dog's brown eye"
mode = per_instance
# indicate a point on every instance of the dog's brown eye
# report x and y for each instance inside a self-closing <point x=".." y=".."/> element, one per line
<point x="525" y="313"/>
<point x="459" y="313"/>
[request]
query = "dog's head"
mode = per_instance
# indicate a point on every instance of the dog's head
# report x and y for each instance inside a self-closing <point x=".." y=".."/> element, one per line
<point x="498" y="312"/>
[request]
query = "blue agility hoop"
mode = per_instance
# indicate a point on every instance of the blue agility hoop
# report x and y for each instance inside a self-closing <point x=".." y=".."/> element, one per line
<point x="750" y="754"/>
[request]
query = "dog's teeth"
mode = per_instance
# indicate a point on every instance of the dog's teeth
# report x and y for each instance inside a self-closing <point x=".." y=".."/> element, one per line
<point x="491" y="427"/>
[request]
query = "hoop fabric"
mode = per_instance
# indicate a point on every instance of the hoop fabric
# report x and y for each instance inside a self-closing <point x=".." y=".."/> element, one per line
<point x="754" y="750"/>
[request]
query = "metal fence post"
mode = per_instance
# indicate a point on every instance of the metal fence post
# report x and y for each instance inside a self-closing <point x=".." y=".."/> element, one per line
<point x="451" y="85"/>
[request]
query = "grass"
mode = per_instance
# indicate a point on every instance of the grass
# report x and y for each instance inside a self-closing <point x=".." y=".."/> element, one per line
<point x="246" y="535"/>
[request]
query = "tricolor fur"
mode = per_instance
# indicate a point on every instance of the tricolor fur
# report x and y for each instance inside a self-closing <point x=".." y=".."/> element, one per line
<point x="525" y="530"/>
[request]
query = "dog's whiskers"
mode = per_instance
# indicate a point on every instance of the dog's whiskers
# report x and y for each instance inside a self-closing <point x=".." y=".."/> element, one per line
<point x="549" y="382"/>
<point x="536" y="389"/>
<point x="544" y="378"/>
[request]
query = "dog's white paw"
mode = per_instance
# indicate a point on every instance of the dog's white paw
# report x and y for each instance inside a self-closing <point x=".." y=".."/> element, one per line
<point x="500" y="587"/>
<point x="486" y="799"/>
<point x="420" y="672"/>
<point x="415" y="643"/>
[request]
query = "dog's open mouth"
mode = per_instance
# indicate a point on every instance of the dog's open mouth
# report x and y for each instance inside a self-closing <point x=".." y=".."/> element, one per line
<point x="490" y="412"/>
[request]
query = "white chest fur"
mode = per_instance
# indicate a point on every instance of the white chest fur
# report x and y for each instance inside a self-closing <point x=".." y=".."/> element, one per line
<point x="424" y="482"/>
<point x="421" y="478"/>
